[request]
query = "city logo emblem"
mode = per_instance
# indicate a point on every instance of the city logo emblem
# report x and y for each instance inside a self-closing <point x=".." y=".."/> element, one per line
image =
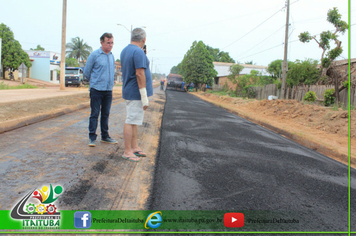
<point x="154" y="220"/>
<point x="37" y="209"/>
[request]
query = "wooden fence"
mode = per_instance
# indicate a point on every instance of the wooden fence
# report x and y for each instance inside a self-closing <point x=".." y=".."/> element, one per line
<point x="298" y="92"/>
<point x="265" y="91"/>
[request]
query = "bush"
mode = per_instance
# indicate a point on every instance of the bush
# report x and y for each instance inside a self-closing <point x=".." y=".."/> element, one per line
<point x="346" y="84"/>
<point x="249" y="92"/>
<point x="225" y="86"/>
<point x="310" y="96"/>
<point x="278" y="82"/>
<point x="329" y="99"/>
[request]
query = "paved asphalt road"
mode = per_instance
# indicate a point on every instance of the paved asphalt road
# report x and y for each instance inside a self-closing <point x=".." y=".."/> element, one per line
<point x="210" y="159"/>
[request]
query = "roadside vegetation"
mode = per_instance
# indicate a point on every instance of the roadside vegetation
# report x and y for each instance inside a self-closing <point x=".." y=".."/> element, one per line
<point x="4" y="86"/>
<point x="12" y="54"/>
<point x="197" y="67"/>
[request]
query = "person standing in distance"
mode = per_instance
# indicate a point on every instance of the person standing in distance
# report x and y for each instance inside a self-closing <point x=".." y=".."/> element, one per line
<point x="137" y="87"/>
<point x="100" y="70"/>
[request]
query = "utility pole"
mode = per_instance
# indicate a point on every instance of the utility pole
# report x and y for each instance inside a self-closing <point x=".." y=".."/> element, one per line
<point x="0" y="61"/>
<point x="285" y="63"/>
<point x="131" y="34"/>
<point x="63" y="52"/>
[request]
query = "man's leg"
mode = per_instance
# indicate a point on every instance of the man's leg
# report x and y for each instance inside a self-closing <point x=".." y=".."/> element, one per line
<point x="95" y="102"/>
<point x="105" y="112"/>
<point x="128" y="139"/>
<point x="128" y="135"/>
<point x="134" y="145"/>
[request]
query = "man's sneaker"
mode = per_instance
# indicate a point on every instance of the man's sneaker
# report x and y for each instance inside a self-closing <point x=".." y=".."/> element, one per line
<point x="91" y="143"/>
<point x="109" y="140"/>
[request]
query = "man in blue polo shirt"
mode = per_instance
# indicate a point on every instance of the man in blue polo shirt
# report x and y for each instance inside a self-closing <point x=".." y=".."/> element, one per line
<point x="136" y="88"/>
<point x="100" y="70"/>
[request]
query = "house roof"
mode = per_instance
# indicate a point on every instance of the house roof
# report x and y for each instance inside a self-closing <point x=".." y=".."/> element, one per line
<point x="223" y="68"/>
<point x="343" y="62"/>
<point x="340" y="62"/>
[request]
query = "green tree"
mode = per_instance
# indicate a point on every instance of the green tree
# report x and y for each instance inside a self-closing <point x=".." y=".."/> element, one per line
<point x="234" y="76"/>
<point x="234" y="73"/>
<point x="177" y="69"/>
<point x="12" y="55"/>
<point x="72" y="62"/>
<point x="303" y="72"/>
<point x="214" y="53"/>
<point x="197" y="65"/>
<point x="174" y="70"/>
<point x="264" y="80"/>
<point x="220" y="56"/>
<point x="225" y="57"/>
<point x="38" y="48"/>
<point x="78" y="49"/>
<point x="249" y="63"/>
<point x="118" y="60"/>
<point x="328" y="55"/>
<point x="275" y="67"/>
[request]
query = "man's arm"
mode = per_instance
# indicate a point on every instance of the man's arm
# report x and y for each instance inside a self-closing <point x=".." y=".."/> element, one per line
<point x="88" y="66"/>
<point x="141" y="81"/>
<point x="141" y="78"/>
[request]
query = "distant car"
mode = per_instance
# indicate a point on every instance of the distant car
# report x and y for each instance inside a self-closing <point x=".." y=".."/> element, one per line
<point x="74" y="76"/>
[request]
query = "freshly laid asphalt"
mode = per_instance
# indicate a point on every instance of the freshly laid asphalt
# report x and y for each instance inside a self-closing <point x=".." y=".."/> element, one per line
<point x="210" y="159"/>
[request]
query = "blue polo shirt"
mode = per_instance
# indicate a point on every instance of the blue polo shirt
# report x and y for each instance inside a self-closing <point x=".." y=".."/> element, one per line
<point x="100" y="69"/>
<point x="133" y="57"/>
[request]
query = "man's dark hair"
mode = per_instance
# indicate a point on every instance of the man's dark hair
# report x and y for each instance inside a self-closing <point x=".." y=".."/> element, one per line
<point x="105" y="35"/>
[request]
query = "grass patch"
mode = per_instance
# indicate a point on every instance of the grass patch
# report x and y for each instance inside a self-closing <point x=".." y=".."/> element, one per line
<point x="307" y="103"/>
<point x="343" y="107"/>
<point x="335" y="107"/>
<point x="4" y="86"/>
<point x="219" y="93"/>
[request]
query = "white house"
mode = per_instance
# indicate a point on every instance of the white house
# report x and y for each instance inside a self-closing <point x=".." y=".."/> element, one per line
<point x="223" y="71"/>
<point x="44" y="65"/>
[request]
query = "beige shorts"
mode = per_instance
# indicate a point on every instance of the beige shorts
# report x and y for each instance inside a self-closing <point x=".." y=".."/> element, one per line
<point x="134" y="112"/>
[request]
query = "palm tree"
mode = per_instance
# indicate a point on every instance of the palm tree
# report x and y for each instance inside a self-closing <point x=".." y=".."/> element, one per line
<point x="78" y="49"/>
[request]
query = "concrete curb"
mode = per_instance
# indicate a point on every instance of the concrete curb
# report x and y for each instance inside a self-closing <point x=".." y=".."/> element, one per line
<point x="28" y="120"/>
<point x="21" y="122"/>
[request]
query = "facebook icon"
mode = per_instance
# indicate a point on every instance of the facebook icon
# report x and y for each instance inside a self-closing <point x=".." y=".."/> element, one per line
<point x="82" y="220"/>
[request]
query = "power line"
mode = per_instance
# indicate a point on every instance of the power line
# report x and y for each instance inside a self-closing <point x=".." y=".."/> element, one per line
<point x="215" y="22"/>
<point x="253" y="29"/>
<point x="263" y="51"/>
<point x="263" y="40"/>
<point x="314" y="19"/>
<point x="277" y="46"/>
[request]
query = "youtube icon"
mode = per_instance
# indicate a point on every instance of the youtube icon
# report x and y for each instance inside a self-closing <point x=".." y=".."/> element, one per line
<point x="234" y="220"/>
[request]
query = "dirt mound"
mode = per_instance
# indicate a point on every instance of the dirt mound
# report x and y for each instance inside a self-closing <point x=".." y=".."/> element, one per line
<point x="322" y="118"/>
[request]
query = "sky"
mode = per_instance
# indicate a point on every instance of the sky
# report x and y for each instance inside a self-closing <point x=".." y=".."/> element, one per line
<point x="249" y="30"/>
